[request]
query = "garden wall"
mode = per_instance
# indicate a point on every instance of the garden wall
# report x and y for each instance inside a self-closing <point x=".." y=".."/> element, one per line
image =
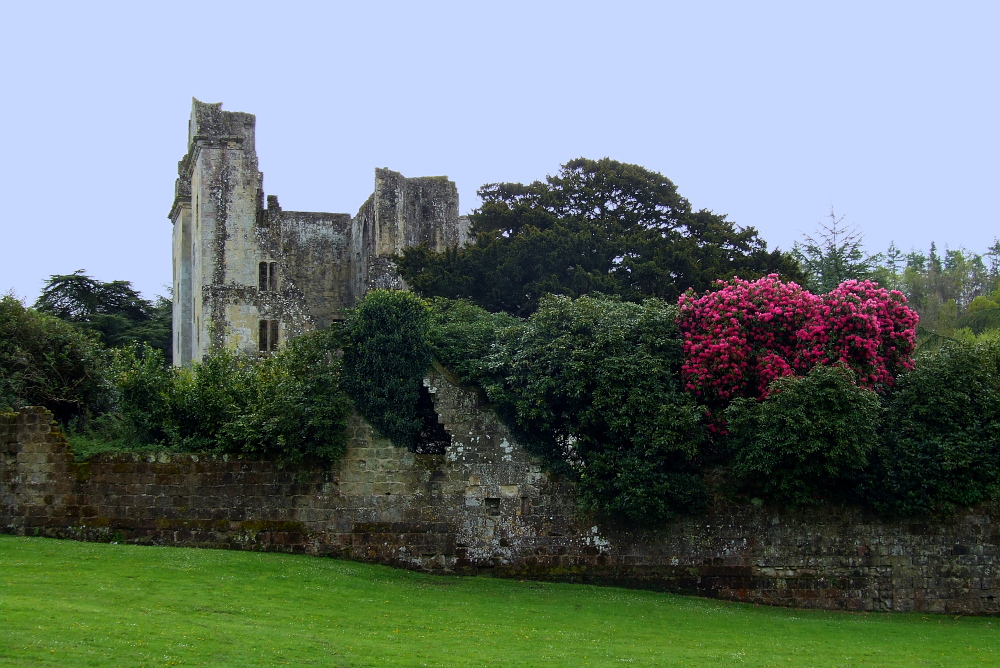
<point x="486" y="506"/>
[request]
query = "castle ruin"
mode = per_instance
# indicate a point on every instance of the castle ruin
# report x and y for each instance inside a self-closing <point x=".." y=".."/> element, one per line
<point x="248" y="276"/>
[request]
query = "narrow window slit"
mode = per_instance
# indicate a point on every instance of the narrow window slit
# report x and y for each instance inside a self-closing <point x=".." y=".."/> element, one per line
<point x="267" y="276"/>
<point x="267" y="336"/>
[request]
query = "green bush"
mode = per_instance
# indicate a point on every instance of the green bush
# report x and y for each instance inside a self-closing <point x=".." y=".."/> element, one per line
<point x="942" y="440"/>
<point x="144" y="396"/>
<point x="296" y="409"/>
<point x="184" y="409"/>
<point x="590" y="385"/>
<point x="288" y="405"/>
<point x="47" y="362"/>
<point x="809" y="440"/>
<point x="462" y="336"/>
<point x="385" y="358"/>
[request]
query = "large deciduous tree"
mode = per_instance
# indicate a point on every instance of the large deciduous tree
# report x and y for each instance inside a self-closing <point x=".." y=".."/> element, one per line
<point x="598" y="226"/>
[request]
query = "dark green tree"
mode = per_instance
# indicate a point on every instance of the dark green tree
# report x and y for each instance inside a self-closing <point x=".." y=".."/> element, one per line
<point x="45" y="361"/>
<point x="835" y="255"/>
<point x="114" y="311"/>
<point x="385" y="358"/>
<point x="599" y="226"/>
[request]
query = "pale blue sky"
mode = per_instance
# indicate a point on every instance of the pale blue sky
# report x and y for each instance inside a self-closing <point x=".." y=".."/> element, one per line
<point x="770" y="112"/>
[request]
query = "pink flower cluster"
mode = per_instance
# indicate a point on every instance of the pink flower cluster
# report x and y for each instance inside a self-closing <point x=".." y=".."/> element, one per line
<point x="742" y="336"/>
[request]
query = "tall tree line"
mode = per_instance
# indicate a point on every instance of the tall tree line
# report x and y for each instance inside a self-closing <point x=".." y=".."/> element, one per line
<point x="956" y="291"/>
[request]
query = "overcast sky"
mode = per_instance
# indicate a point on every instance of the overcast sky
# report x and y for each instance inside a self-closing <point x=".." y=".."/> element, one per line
<point x="770" y="112"/>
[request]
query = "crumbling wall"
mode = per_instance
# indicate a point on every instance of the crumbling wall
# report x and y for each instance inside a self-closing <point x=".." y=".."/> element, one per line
<point x="315" y="258"/>
<point x="485" y="505"/>
<point x="36" y="473"/>
<point x="402" y="213"/>
<point x="325" y="261"/>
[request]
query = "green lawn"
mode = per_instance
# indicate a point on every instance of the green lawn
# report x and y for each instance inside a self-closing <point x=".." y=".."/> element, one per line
<point x="64" y="603"/>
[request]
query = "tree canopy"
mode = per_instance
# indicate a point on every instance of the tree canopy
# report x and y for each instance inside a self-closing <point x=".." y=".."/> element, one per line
<point x="45" y="361"/>
<point x="598" y="226"/>
<point x="956" y="293"/>
<point x="115" y="311"/>
<point x="836" y="255"/>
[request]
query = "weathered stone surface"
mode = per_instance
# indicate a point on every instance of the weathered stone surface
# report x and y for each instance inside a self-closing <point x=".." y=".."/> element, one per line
<point x="485" y="505"/>
<point x="319" y="263"/>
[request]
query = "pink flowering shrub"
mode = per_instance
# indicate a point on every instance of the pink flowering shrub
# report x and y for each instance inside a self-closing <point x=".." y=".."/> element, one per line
<point x="744" y="335"/>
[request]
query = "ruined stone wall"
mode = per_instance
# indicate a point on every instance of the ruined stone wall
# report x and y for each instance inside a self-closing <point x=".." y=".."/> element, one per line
<point x="402" y="213"/>
<point x="367" y="271"/>
<point x="315" y="256"/>
<point x="325" y="261"/>
<point x="487" y="506"/>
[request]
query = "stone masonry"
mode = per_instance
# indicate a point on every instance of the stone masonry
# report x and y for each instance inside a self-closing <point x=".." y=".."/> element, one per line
<point x="486" y="506"/>
<point x="248" y="276"/>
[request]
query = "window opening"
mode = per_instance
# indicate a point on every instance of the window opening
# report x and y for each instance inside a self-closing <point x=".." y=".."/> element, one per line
<point x="432" y="439"/>
<point x="267" y="276"/>
<point x="267" y="336"/>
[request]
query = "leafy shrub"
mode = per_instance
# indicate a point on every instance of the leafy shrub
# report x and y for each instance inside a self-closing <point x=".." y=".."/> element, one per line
<point x="296" y="407"/>
<point x="809" y="439"/>
<point x="47" y="362"/>
<point x="942" y="439"/>
<point x="462" y="336"/>
<point x="590" y="385"/>
<point x="741" y="337"/>
<point x="185" y="409"/>
<point x="209" y="397"/>
<point x="385" y="358"/>
<point x="144" y="395"/>
<point x="287" y="405"/>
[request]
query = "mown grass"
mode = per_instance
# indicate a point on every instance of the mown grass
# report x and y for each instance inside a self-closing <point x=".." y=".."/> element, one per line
<point x="64" y="603"/>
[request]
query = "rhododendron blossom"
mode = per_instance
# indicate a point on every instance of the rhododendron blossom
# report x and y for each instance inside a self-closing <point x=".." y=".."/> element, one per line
<point x="742" y="336"/>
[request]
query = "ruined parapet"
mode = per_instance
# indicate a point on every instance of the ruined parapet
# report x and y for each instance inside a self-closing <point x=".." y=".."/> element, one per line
<point x="313" y="255"/>
<point x="249" y="277"/>
<point x="410" y="212"/>
<point x="402" y="213"/>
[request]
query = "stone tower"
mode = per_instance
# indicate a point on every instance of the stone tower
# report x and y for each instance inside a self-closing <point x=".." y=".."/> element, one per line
<point x="248" y="276"/>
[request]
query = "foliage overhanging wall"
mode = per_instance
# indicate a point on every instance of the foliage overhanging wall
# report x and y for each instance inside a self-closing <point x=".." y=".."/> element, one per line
<point x="486" y="505"/>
